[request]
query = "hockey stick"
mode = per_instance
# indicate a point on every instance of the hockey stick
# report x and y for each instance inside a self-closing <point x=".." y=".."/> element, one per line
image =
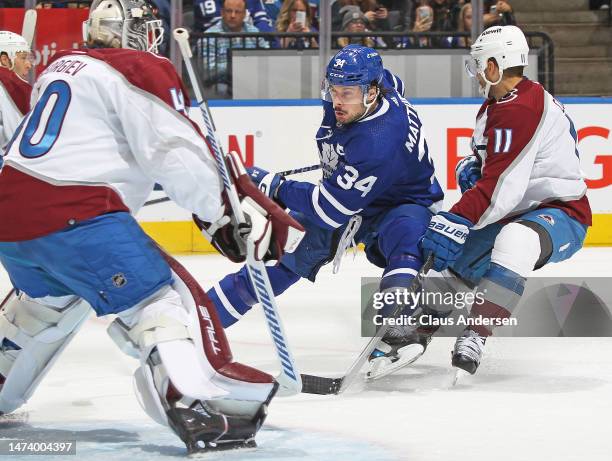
<point x="288" y="379"/>
<point x="29" y="26"/>
<point x="7" y="297"/>
<point x="282" y="173"/>
<point x="299" y="170"/>
<point x="312" y="384"/>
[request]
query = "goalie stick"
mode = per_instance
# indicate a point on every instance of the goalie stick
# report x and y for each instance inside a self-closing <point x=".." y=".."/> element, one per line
<point x="312" y="384"/>
<point x="29" y="26"/>
<point x="289" y="378"/>
<point x="282" y="173"/>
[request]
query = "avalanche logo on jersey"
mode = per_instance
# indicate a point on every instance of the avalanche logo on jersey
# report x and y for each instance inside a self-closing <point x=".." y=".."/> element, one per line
<point x="329" y="158"/>
<point x="511" y="96"/>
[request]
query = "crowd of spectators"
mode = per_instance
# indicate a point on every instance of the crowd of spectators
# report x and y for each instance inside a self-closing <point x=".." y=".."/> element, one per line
<point x="302" y="16"/>
<point x="404" y="24"/>
<point x="401" y="18"/>
<point x="362" y="16"/>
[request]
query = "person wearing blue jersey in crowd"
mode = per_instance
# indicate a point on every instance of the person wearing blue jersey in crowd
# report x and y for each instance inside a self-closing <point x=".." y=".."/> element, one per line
<point x="378" y="188"/>
<point x="207" y="13"/>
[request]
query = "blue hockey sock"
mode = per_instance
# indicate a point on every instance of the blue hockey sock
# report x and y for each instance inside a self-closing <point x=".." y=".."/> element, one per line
<point x="234" y="295"/>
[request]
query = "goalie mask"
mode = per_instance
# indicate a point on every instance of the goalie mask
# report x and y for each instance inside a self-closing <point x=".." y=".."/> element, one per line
<point x="123" y="24"/>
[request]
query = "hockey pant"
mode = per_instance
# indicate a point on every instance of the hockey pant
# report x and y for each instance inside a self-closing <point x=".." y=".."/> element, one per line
<point x="497" y="259"/>
<point x="390" y="239"/>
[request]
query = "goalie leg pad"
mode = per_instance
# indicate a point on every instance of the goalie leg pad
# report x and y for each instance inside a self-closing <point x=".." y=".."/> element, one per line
<point x="33" y="333"/>
<point x="186" y="367"/>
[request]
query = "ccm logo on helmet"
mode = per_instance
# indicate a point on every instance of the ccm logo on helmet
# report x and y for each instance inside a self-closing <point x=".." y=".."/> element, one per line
<point x="453" y="232"/>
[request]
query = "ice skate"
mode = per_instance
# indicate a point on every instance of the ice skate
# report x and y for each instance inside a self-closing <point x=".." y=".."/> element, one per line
<point x="468" y="351"/>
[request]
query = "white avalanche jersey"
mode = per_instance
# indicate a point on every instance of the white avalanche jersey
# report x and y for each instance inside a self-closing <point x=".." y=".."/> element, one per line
<point x="14" y="103"/>
<point x="105" y="126"/>
<point x="527" y="144"/>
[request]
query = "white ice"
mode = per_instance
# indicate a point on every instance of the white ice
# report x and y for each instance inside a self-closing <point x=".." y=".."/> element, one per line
<point x="532" y="399"/>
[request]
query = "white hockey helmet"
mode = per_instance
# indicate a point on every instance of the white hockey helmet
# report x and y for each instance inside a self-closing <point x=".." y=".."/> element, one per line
<point x="506" y="44"/>
<point x="123" y="24"/>
<point x="11" y="44"/>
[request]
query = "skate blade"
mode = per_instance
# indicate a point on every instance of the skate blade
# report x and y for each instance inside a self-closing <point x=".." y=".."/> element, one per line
<point x="382" y="366"/>
<point x="460" y="374"/>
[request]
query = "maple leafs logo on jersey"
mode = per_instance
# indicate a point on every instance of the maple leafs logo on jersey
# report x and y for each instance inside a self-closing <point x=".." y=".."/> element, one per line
<point x="329" y="157"/>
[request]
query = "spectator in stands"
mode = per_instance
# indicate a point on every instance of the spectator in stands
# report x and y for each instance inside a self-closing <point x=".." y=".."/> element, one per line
<point x="161" y="10"/>
<point x="498" y="13"/>
<point x="465" y="25"/>
<point x="446" y="14"/>
<point x="295" y="16"/>
<point x="423" y="20"/>
<point x="273" y="8"/>
<point x="399" y="13"/>
<point x="376" y="14"/>
<point x="314" y="12"/>
<point x="206" y="13"/>
<point x="355" y="21"/>
<point x="215" y="50"/>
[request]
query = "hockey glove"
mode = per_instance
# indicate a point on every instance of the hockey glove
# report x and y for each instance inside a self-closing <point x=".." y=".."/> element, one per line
<point x="272" y="231"/>
<point x="445" y="238"/>
<point x="467" y="172"/>
<point x="266" y="182"/>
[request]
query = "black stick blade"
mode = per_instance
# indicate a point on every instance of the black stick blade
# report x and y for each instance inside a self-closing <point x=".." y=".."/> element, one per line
<point x="320" y="385"/>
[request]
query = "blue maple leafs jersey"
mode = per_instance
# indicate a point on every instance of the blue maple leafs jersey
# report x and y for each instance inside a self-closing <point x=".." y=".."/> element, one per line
<point x="369" y="166"/>
<point x="208" y="12"/>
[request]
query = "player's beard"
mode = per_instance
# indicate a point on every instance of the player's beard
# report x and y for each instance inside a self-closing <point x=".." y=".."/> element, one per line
<point x="346" y="117"/>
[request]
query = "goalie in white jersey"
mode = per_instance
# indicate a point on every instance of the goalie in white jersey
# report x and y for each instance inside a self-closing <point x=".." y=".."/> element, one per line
<point x="524" y="200"/>
<point x="105" y="126"/>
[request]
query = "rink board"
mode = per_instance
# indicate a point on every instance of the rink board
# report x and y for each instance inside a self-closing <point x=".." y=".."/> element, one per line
<point x="279" y="134"/>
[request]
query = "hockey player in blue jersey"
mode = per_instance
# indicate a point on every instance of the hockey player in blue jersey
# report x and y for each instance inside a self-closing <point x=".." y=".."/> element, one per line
<point x="378" y="188"/>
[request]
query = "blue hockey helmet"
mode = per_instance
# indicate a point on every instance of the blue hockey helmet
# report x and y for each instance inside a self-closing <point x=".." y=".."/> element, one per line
<point x="353" y="65"/>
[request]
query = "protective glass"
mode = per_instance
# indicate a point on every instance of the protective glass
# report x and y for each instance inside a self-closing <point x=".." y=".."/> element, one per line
<point x="342" y="94"/>
<point x="472" y="67"/>
<point x="26" y="56"/>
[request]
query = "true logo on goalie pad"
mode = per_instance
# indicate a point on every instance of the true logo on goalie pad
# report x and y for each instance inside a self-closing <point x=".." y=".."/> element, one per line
<point x="210" y="329"/>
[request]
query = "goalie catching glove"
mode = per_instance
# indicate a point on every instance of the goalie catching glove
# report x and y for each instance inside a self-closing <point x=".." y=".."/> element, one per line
<point x="271" y="229"/>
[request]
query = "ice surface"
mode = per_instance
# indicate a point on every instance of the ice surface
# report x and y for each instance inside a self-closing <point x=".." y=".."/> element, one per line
<point x="532" y="398"/>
